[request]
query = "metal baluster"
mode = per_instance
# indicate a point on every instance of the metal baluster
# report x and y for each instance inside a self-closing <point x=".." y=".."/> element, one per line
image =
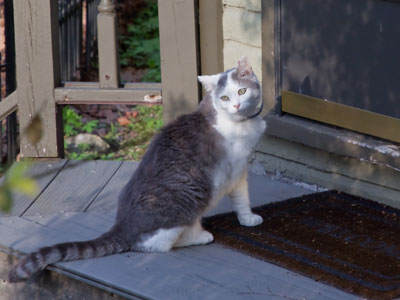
<point x="79" y="36"/>
<point x="10" y="78"/>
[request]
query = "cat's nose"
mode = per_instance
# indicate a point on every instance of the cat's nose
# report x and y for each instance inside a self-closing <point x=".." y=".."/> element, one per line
<point x="236" y="106"/>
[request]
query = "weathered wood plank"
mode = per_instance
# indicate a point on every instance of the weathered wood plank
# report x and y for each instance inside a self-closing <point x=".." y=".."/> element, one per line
<point x="96" y="223"/>
<point x="143" y="85"/>
<point x="83" y="95"/>
<point x="40" y="231"/>
<point x="202" y="272"/>
<point x="8" y="105"/>
<point x="107" y="200"/>
<point x="44" y="173"/>
<point x="179" y="56"/>
<point x="127" y="85"/>
<point x="37" y="68"/>
<point x="77" y="185"/>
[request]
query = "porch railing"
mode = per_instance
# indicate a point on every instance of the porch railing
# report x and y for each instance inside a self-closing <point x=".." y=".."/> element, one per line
<point x="70" y="19"/>
<point x="42" y="92"/>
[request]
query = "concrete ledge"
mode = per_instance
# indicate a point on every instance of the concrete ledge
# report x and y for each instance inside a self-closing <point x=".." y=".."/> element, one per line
<point x="309" y="164"/>
<point x="335" y="140"/>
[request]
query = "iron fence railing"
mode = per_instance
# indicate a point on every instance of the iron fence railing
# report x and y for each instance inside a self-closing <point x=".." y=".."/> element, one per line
<point x="70" y="21"/>
<point x="10" y="133"/>
<point x="74" y="30"/>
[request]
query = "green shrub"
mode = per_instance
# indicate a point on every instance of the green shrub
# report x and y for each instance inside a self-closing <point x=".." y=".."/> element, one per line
<point x="73" y="123"/>
<point x="141" y="47"/>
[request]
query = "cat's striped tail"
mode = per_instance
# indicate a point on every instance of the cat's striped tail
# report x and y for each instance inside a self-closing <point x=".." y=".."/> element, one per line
<point x="38" y="260"/>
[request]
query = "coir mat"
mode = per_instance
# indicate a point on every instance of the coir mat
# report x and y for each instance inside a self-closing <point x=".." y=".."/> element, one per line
<point x="343" y="240"/>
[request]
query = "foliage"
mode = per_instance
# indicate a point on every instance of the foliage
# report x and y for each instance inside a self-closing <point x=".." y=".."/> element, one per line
<point x="90" y="126"/>
<point x="141" y="47"/>
<point x="16" y="180"/>
<point x="73" y="123"/>
<point x="129" y="136"/>
<point x="147" y="122"/>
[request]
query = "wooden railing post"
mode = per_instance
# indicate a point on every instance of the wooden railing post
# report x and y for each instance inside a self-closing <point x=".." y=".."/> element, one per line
<point x="179" y="56"/>
<point x="38" y="73"/>
<point x="107" y="44"/>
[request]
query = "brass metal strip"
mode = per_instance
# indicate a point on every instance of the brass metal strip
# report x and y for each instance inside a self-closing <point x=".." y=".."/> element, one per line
<point x="341" y="115"/>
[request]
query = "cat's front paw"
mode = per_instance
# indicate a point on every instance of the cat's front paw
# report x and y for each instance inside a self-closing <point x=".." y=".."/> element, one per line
<point x="205" y="237"/>
<point x="250" y="220"/>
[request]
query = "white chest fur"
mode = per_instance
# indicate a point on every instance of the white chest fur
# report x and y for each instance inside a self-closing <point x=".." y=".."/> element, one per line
<point x="239" y="141"/>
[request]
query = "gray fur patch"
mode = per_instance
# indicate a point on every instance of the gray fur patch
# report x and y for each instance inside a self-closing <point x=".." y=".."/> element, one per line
<point x="172" y="185"/>
<point x="222" y="82"/>
<point x="246" y="81"/>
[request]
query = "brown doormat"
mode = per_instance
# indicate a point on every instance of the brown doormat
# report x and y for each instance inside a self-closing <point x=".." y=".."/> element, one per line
<point x="345" y="241"/>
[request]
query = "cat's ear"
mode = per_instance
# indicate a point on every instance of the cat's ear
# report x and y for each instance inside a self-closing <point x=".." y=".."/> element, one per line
<point x="209" y="82"/>
<point x="244" y="68"/>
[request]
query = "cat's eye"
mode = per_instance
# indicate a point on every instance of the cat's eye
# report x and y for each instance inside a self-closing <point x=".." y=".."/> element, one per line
<point x="224" y="98"/>
<point x="242" y="91"/>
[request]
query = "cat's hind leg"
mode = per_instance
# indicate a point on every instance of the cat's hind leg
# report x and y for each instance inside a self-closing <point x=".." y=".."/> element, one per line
<point x="241" y="203"/>
<point x="194" y="235"/>
<point x="162" y="240"/>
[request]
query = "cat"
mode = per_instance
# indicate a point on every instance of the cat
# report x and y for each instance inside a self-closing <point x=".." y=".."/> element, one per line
<point x="189" y="166"/>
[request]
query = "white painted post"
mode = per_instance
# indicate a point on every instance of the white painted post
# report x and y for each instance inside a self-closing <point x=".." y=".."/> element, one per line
<point x="107" y="44"/>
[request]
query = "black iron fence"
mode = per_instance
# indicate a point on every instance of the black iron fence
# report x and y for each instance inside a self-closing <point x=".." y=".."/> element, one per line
<point x="78" y="36"/>
<point x="70" y="21"/>
<point x="8" y="127"/>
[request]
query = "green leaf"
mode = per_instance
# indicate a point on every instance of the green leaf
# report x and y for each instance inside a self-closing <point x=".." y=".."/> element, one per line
<point x="17" y="171"/>
<point x="17" y="180"/>
<point x="90" y="126"/>
<point x="69" y="130"/>
<point x="26" y="186"/>
<point x="72" y="121"/>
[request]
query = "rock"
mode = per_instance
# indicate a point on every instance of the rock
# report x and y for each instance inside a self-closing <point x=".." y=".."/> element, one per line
<point x="93" y="142"/>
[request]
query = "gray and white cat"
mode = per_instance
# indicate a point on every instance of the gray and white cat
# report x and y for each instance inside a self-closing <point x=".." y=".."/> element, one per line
<point x="189" y="166"/>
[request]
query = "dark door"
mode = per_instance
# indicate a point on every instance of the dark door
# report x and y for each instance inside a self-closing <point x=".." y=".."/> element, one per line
<point x="344" y="55"/>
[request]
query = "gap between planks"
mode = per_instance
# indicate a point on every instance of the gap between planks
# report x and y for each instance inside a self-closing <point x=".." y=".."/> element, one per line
<point x="102" y="189"/>
<point x="44" y="188"/>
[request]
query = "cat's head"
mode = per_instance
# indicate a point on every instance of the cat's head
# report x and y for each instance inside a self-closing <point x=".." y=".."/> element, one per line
<point x="236" y="92"/>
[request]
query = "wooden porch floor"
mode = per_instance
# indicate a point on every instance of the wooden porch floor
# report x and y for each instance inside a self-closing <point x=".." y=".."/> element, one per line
<point x="77" y="201"/>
